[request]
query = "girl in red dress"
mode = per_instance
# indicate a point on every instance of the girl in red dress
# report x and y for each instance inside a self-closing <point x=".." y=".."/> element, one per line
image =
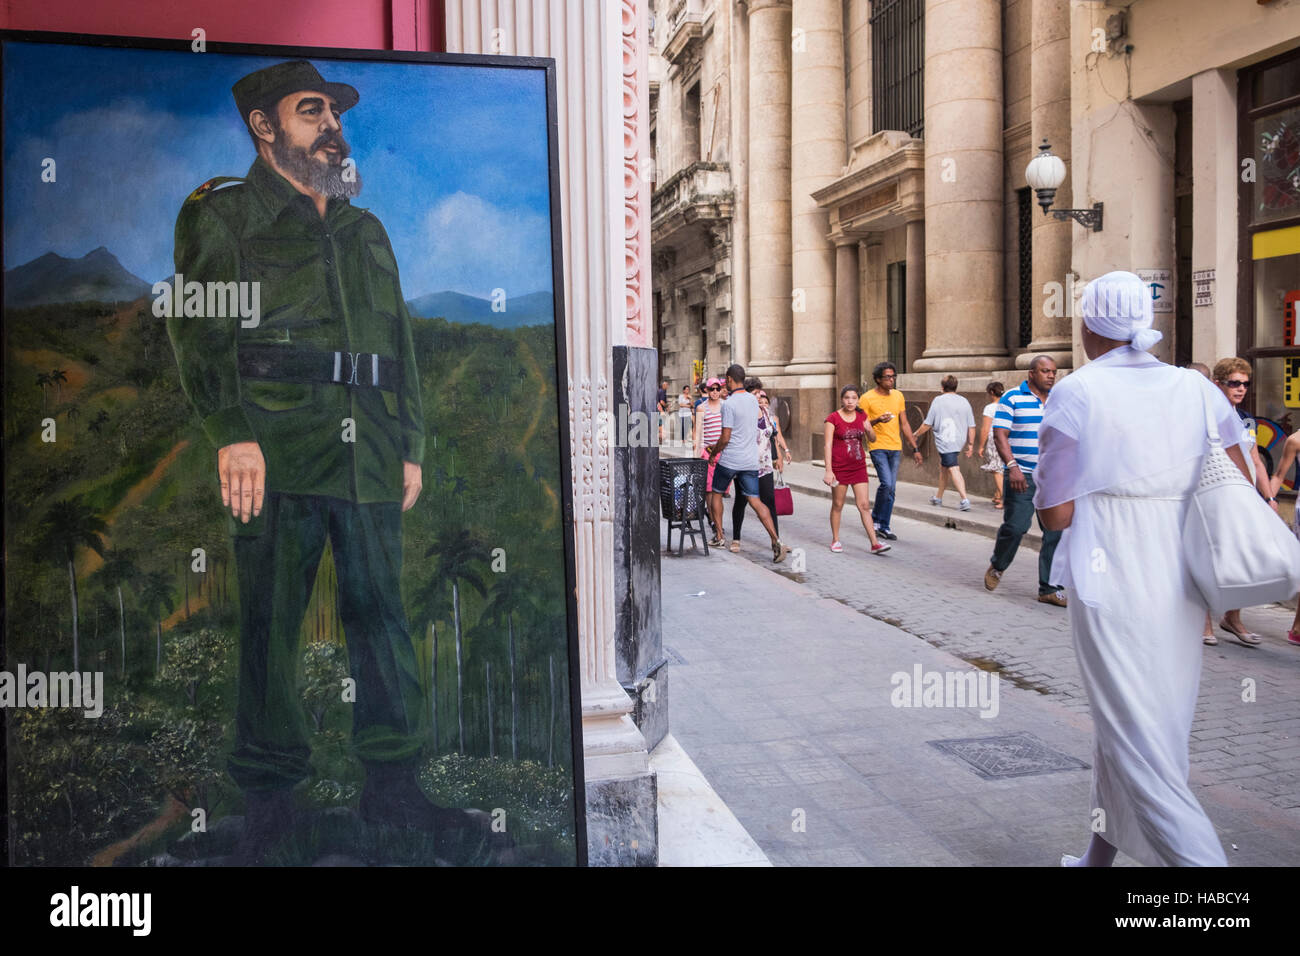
<point x="846" y="465"/>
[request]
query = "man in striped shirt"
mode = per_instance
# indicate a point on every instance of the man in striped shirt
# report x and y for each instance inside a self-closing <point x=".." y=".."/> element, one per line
<point x="1015" y="433"/>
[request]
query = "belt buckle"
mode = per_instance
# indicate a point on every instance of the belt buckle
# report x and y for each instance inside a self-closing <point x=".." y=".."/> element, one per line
<point x="354" y="363"/>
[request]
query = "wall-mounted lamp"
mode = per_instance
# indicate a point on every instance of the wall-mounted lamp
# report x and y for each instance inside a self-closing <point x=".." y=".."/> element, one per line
<point x="1045" y="173"/>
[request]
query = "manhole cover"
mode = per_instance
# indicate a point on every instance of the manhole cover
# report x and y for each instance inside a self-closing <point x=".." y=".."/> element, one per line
<point x="1013" y="755"/>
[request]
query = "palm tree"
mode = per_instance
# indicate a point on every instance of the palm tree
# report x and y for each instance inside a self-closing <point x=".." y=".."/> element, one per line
<point x="511" y="593"/>
<point x="119" y="567"/>
<point x="43" y="381"/>
<point x="73" y="414"/>
<point x="457" y="552"/>
<point x="71" y="524"/>
<point x="156" y="598"/>
<point x="58" y="378"/>
<point x="98" y="423"/>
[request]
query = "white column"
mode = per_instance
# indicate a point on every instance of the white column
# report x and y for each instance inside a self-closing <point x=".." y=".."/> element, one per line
<point x="964" y="186"/>
<point x="816" y="159"/>
<point x="769" y="186"/>
<point x="1216" y="174"/>
<point x="739" y="84"/>
<point x="586" y="39"/>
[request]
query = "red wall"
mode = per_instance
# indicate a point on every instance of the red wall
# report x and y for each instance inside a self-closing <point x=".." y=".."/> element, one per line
<point x="361" y="24"/>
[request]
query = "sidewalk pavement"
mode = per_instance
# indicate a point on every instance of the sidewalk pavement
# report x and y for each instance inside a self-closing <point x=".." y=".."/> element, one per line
<point x="785" y="684"/>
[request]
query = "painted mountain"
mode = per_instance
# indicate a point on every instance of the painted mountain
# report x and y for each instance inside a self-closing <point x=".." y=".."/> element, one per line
<point x="95" y="277"/>
<point x="536" y="308"/>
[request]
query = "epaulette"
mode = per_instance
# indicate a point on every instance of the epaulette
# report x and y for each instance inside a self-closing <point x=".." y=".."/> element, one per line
<point x="211" y="185"/>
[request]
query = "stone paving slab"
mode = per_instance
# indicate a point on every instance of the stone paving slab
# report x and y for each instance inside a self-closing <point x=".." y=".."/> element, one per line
<point x="800" y="718"/>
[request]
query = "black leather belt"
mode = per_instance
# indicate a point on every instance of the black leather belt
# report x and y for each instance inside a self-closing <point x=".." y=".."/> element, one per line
<point x="358" y="369"/>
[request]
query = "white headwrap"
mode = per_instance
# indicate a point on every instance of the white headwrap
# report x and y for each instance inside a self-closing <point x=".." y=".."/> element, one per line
<point x="1118" y="306"/>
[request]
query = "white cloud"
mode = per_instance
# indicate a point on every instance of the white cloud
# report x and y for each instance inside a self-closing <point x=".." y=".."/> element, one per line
<point x="474" y="247"/>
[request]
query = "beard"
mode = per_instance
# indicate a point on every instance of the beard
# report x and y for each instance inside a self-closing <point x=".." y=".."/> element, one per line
<point x="328" y="179"/>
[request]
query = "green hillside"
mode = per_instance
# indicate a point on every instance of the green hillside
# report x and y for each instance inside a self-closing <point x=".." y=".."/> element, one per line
<point x="128" y="490"/>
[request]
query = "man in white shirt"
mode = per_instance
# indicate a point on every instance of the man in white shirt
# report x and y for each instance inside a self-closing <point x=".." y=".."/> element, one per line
<point x="953" y="423"/>
<point x="735" y="455"/>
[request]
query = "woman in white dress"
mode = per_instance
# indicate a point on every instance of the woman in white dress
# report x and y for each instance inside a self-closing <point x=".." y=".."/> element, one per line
<point x="1120" y="449"/>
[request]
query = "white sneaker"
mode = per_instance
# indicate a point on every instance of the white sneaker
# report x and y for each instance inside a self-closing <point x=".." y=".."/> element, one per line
<point x="965" y="505"/>
<point x="933" y="501"/>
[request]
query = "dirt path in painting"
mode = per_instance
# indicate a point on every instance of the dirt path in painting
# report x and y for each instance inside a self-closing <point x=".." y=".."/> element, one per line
<point x="91" y="562"/>
<point x="536" y="370"/>
<point x="172" y="811"/>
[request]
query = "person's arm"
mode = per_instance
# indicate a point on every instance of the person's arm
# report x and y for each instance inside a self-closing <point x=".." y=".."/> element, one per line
<point x="699" y="428"/>
<point x="207" y="357"/>
<point x="781" y="447"/>
<point x="1015" y="477"/>
<point x="1238" y="456"/>
<point x="829" y="477"/>
<point x="970" y="440"/>
<point x="1057" y="517"/>
<point x="985" y="427"/>
<point x="720" y="444"/>
<point x="1263" y="483"/>
<point x="925" y="427"/>
<point x="410" y="406"/>
<point x="907" y="433"/>
<point x="1289" y="452"/>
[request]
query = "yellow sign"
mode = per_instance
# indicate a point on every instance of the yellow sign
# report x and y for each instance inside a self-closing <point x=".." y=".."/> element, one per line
<point x="1291" y="382"/>
<point x="697" y="371"/>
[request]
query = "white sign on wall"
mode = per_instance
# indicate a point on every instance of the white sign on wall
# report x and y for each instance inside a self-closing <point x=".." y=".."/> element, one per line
<point x="1160" y="282"/>
<point x="1202" y="287"/>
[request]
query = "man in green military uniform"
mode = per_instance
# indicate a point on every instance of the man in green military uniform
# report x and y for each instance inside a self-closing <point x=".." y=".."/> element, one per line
<point x="314" y="408"/>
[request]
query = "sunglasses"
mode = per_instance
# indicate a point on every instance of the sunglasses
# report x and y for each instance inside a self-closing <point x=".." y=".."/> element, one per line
<point x="715" y="388"/>
<point x="1234" y="383"/>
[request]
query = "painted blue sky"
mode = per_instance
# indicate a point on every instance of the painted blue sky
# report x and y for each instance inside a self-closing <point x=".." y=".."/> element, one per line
<point x="453" y="159"/>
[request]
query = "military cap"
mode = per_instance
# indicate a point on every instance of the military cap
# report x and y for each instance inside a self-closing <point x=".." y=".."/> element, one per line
<point x="265" y="88"/>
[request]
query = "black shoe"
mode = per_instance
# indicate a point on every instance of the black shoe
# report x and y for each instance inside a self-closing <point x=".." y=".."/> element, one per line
<point x="268" y="818"/>
<point x="886" y="534"/>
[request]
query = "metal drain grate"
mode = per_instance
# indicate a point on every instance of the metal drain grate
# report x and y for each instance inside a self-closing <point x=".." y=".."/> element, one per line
<point x="1013" y="755"/>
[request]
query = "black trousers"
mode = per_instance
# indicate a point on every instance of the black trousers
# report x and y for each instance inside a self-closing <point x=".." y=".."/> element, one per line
<point x="277" y="559"/>
<point x="766" y="494"/>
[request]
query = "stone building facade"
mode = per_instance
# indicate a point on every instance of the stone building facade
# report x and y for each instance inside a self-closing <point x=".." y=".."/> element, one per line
<point x="864" y="196"/>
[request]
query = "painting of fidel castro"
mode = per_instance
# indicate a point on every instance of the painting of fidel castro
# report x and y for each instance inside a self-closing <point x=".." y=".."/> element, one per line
<point x="311" y="526"/>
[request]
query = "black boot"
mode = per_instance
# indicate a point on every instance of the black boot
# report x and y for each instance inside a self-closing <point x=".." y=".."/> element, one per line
<point x="268" y="818"/>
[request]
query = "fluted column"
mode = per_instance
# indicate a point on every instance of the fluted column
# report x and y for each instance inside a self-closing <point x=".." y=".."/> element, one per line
<point x="915" y="291"/>
<point x="963" y="186"/>
<point x="769" y="186"/>
<point x="586" y="39"/>
<point x="739" y="85"/>
<point x="816" y="159"/>
<point x="1050" y="118"/>
<point x="848" y="309"/>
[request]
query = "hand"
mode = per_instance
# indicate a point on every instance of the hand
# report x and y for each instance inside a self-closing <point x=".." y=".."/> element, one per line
<point x="242" y="472"/>
<point x="412" y="484"/>
<point x="969" y="449"/>
<point x="829" y="478"/>
<point x="916" y="457"/>
<point x="1016" y="478"/>
<point x="888" y="416"/>
<point x="1272" y="503"/>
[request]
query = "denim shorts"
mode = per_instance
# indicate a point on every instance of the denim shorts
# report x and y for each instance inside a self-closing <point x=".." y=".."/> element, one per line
<point x="948" y="459"/>
<point x="746" y="481"/>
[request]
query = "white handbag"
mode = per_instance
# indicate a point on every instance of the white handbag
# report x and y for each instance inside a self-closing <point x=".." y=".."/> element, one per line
<point x="1238" y="551"/>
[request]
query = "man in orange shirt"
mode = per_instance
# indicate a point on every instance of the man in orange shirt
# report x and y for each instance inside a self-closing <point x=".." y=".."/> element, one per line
<point x="884" y="407"/>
